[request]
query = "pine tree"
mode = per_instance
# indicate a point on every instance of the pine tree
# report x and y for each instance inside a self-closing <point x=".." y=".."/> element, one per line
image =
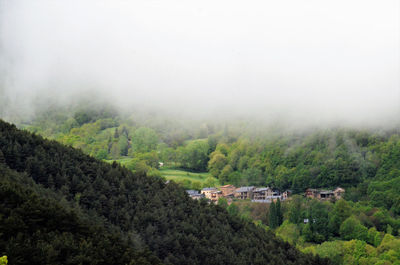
<point x="50" y="181"/>
<point x="125" y="131"/>
<point x="116" y="133"/>
<point x="279" y="216"/>
<point x="272" y="216"/>
<point x="295" y="210"/>
<point x="2" y="159"/>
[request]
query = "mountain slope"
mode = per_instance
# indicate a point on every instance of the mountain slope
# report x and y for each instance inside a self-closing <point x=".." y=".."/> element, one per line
<point x="38" y="230"/>
<point x="151" y="214"/>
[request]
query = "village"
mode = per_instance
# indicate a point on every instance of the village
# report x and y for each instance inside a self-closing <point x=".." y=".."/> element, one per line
<point x="260" y="194"/>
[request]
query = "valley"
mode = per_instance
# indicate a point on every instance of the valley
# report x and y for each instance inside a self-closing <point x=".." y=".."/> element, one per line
<point x="60" y="206"/>
<point x="363" y="162"/>
<point x="199" y="132"/>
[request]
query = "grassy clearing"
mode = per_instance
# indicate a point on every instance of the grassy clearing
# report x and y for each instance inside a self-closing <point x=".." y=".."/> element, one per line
<point x="122" y="161"/>
<point x="190" y="179"/>
<point x="177" y="174"/>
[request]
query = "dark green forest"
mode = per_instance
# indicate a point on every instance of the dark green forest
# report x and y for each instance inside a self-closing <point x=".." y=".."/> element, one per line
<point x="61" y="206"/>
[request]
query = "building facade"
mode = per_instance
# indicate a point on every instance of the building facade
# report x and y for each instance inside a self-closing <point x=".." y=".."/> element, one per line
<point x="244" y="193"/>
<point x="336" y="194"/>
<point x="228" y="190"/>
<point x="207" y="192"/>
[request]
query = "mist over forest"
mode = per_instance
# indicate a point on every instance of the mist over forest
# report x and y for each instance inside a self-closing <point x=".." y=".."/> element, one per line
<point x="200" y="132"/>
<point x="302" y="64"/>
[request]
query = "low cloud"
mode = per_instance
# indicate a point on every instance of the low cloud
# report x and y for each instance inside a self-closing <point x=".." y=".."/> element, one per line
<point x="307" y="62"/>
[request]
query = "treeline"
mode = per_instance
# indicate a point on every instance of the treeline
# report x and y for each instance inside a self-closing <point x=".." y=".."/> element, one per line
<point x="103" y="134"/>
<point x="39" y="230"/>
<point x="364" y="162"/>
<point x="346" y="232"/>
<point x="148" y="213"/>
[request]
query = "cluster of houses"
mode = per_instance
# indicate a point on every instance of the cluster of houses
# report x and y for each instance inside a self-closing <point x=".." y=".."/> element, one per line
<point x="255" y="194"/>
<point x="260" y="194"/>
<point x="325" y="194"/>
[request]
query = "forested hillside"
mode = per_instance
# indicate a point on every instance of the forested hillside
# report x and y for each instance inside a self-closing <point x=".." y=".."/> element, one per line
<point x="60" y="206"/>
<point x="37" y="229"/>
<point x="364" y="161"/>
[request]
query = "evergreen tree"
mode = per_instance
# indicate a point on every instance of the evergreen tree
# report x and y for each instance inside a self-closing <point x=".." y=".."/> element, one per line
<point x="295" y="210"/>
<point x="125" y="131"/>
<point x="233" y="209"/>
<point x="272" y="217"/>
<point x="2" y="159"/>
<point x="116" y="133"/>
<point x="278" y="213"/>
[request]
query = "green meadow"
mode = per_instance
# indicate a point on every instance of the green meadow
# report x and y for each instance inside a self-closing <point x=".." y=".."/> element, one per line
<point x="188" y="179"/>
<point x="191" y="180"/>
<point x="122" y="161"/>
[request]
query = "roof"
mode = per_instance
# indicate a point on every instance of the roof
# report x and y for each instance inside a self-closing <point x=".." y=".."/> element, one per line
<point x="245" y="189"/>
<point x="263" y="201"/>
<point x="339" y="188"/>
<point x="261" y="189"/>
<point x="206" y="189"/>
<point x="197" y="195"/>
<point x="192" y="192"/>
<point x="326" y="192"/>
<point x="227" y="186"/>
<point x="273" y="197"/>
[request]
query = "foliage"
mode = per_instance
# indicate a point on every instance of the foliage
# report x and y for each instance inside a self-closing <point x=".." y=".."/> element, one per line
<point x="358" y="252"/>
<point x="233" y="209"/>
<point x="39" y="230"/>
<point x="3" y="260"/>
<point x="365" y="162"/>
<point x="289" y="232"/>
<point x="272" y="218"/>
<point x="194" y="155"/>
<point x="275" y="216"/>
<point x="144" y="140"/>
<point x="351" y="228"/>
<point x="317" y="215"/>
<point x="294" y="212"/>
<point x="341" y="211"/>
<point x="133" y="212"/>
<point x="363" y="245"/>
<point x="217" y="163"/>
<point x="189" y="180"/>
<point x="223" y="202"/>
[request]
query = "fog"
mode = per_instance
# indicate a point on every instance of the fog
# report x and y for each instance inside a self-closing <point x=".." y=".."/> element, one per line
<point x="305" y="62"/>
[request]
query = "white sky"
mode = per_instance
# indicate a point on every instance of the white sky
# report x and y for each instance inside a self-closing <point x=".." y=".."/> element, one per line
<point x="310" y="60"/>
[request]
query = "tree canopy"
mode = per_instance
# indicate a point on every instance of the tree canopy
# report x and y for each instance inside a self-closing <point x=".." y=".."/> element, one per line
<point x="73" y="209"/>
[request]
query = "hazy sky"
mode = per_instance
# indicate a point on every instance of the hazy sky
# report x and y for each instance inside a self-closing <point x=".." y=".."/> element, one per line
<point x="310" y="60"/>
